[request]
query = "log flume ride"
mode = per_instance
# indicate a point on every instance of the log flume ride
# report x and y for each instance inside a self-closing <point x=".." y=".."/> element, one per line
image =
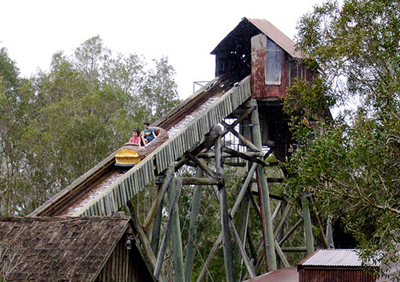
<point x="186" y="125"/>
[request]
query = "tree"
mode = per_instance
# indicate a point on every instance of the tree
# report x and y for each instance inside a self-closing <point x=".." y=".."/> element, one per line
<point x="15" y="96"/>
<point x="57" y="125"/>
<point x="351" y="166"/>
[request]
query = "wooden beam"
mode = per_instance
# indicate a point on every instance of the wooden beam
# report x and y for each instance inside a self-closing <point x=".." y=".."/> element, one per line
<point x="307" y="225"/>
<point x="245" y="141"/>
<point x="210" y="256"/>
<point x="244" y="156"/>
<point x="203" y="166"/>
<point x="160" y="196"/>
<point x="239" y="243"/>
<point x="282" y="220"/>
<point x="194" y="216"/>
<point x="167" y="232"/>
<point x="264" y="195"/>
<point x="228" y="259"/>
<point x="243" y="189"/>
<point x="281" y="254"/>
<point x="199" y="181"/>
<point x="290" y="232"/>
<point x="176" y="233"/>
<point x="226" y="155"/>
<point x="142" y="236"/>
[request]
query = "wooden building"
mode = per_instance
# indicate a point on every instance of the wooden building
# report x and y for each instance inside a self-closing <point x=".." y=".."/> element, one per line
<point x="258" y="48"/>
<point x="70" y="249"/>
<point x="343" y="265"/>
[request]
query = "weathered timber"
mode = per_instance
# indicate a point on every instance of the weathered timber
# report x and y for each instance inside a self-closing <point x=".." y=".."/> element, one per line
<point x="210" y="256"/>
<point x="294" y="249"/>
<point x="142" y="236"/>
<point x="194" y="216"/>
<point x="199" y="181"/>
<point x="281" y="254"/>
<point x="244" y="156"/>
<point x="243" y="189"/>
<point x="203" y="166"/>
<point x="264" y="195"/>
<point x="290" y="232"/>
<point x="156" y="230"/>
<point x="167" y="232"/>
<point x="176" y="233"/>
<point x="229" y="271"/>
<point x="282" y="220"/>
<point x="245" y="141"/>
<point x="226" y="155"/>
<point x="242" y="249"/>
<point x="307" y="225"/>
<point x="160" y="196"/>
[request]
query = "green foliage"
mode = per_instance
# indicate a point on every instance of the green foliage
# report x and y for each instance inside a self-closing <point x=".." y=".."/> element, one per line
<point x="60" y="123"/>
<point x="351" y="167"/>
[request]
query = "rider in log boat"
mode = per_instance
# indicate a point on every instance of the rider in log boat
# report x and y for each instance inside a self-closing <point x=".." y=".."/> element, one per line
<point x="138" y="147"/>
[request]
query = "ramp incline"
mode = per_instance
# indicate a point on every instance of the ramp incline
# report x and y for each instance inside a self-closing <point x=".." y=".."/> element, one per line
<point x="103" y="190"/>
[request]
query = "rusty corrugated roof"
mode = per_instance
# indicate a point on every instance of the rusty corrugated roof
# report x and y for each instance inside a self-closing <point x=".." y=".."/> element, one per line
<point x="333" y="258"/>
<point x="283" y="274"/>
<point x="277" y="36"/>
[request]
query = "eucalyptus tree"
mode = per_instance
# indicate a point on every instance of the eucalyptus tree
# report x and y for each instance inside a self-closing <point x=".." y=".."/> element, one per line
<point x="352" y="169"/>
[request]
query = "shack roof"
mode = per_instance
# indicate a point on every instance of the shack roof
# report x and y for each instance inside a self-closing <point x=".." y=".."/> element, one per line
<point x="334" y="258"/>
<point x="248" y="28"/>
<point x="58" y="248"/>
<point x="287" y="274"/>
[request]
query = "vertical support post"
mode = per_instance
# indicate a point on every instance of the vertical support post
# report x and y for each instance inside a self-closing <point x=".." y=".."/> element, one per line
<point x="307" y="225"/>
<point x="155" y="234"/>
<point x="194" y="215"/>
<point x="228" y="259"/>
<point x="264" y="195"/>
<point x="167" y="232"/>
<point x="329" y="236"/>
<point x="176" y="232"/>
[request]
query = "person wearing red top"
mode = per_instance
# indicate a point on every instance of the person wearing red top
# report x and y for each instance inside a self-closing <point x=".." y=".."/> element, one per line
<point x="135" y="139"/>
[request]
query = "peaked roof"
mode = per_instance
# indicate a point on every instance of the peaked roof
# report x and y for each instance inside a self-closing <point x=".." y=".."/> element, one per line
<point x="259" y="26"/>
<point x="59" y="248"/>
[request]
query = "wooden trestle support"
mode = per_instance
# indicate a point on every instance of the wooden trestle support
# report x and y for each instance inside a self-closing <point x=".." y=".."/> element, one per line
<point x="193" y="146"/>
<point x="273" y="236"/>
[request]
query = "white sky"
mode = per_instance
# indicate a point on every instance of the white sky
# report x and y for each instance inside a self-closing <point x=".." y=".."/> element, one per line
<point x="184" y="31"/>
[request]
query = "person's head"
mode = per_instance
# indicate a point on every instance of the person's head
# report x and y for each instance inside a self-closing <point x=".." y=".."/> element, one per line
<point x="146" y="125"/>
<point x="136" y="132"/>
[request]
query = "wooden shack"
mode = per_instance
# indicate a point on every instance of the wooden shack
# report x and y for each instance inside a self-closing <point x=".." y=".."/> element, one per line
<point x="70" y="249"/>
<point x="335" y="265"/>
<point x="257" y="48"/>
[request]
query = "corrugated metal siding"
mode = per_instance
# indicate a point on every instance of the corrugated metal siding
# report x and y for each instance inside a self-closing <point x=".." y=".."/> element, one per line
<point x="339" y="275"/>
<point x="144" y="172"/>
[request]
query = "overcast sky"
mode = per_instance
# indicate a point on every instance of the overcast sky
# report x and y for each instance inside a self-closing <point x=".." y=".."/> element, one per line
<point x="184" y="31"/>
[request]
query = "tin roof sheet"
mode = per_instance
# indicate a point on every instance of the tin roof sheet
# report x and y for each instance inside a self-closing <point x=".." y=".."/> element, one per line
<point x="334" y="257"/>
<point x="283" y="274"/>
